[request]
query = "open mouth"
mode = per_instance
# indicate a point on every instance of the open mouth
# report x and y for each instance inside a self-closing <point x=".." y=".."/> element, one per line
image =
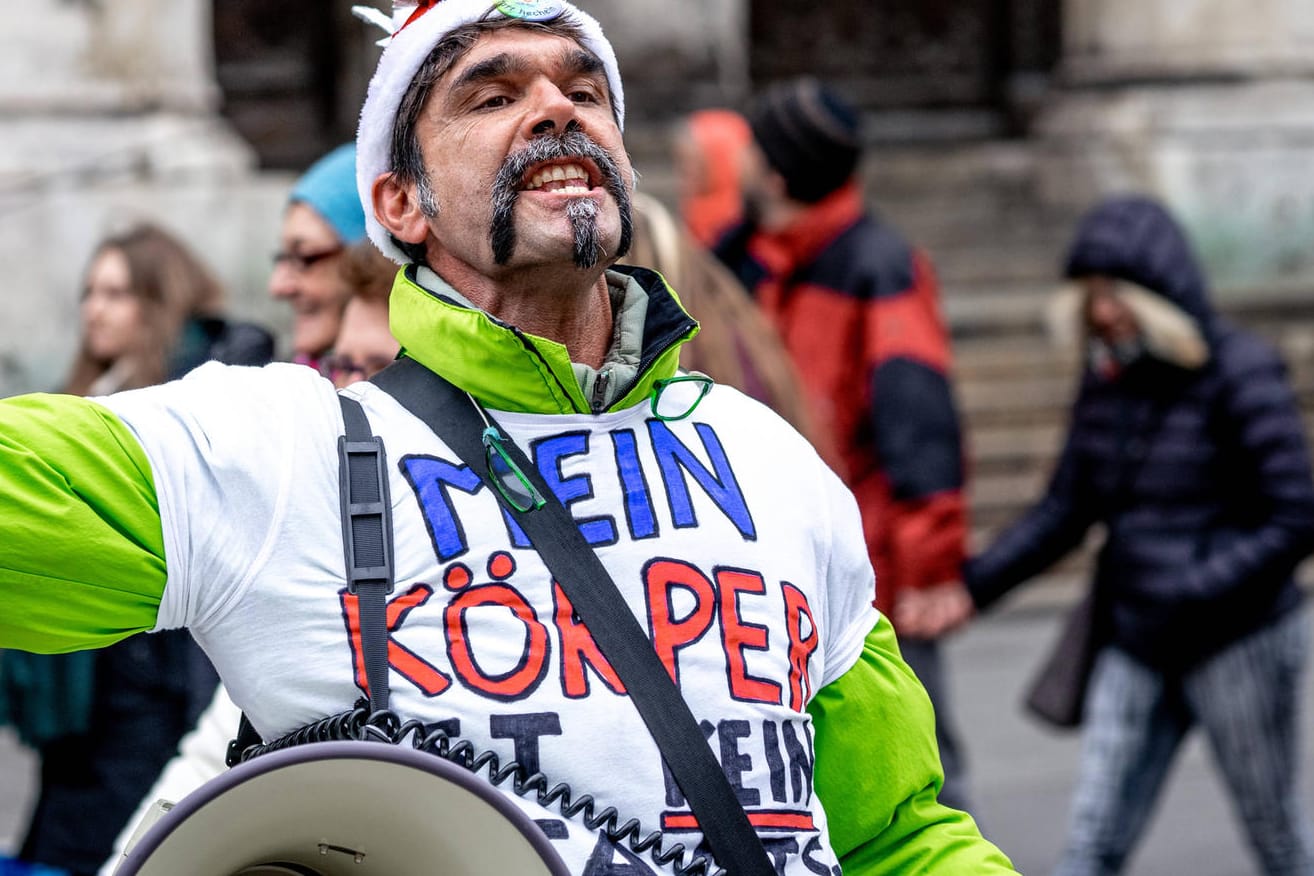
<point x="568" y="177"/>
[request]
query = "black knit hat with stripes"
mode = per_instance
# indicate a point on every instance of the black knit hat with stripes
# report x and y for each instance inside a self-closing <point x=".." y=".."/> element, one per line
<point x="809" y="135"/>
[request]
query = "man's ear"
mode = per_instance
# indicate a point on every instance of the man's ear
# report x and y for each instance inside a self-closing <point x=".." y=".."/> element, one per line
<point x="398" y="209"/>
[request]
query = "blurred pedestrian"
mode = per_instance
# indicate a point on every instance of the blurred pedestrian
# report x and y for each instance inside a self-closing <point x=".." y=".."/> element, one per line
<point x="323" y="218"/>
<point x="859" y="311"/>
<point x="364" y="345"/>
<point x="709" y="153"/>
<point x="736" y="344"/>
<point x="105" y="722"/>
<point x="151" y="311"/>
<point x="1186" y="444"/>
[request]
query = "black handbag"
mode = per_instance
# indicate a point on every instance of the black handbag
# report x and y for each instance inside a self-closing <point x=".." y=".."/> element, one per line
<point x="1057" y="692"/>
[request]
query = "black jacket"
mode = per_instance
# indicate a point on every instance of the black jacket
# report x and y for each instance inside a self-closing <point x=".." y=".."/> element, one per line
<point x="1201" y="477"/>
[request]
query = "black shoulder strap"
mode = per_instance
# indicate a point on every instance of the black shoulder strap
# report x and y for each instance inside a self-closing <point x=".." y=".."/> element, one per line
<point x="367" y="540"/>
<point x="367" y="550"/>
<point x="452" y="415"/>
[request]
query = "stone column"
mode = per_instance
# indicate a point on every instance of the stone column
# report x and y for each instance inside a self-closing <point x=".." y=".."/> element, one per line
<point x="1207" y="104"/>
<point x="675" y="56"/>
<point x="678" y="53"/>
<point x="109" y="115"/>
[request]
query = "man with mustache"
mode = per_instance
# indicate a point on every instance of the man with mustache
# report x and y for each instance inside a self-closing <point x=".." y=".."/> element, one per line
<point x="491" y="162"/>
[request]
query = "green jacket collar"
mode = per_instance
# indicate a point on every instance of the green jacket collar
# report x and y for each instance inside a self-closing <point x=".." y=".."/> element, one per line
<point x="510" y="370"/>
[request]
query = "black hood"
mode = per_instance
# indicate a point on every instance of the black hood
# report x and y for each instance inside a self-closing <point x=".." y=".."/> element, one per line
<point x="1134" y="239"/>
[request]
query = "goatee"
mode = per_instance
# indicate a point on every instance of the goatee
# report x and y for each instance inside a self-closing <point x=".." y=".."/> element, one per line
<point x="583" y="215"/>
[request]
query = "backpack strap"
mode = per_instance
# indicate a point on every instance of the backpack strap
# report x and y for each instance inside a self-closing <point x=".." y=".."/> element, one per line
<point x="367" y="540"/>
<point x="367" y="553"/>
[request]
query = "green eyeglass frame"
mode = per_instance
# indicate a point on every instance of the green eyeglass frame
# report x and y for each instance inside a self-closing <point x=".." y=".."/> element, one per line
<point x="509" y="479"/>
<point x="659" y="387"/>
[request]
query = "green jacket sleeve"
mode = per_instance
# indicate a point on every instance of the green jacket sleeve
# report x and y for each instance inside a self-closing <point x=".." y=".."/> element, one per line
<point x="81" y="545"/>
<point x="878" y="773"/>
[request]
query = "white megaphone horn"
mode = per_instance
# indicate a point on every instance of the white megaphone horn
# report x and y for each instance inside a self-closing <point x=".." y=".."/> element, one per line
<point x="344" y="809"/>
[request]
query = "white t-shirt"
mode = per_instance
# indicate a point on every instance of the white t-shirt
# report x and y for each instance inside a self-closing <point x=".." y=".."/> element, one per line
<point x="733" y="544"/>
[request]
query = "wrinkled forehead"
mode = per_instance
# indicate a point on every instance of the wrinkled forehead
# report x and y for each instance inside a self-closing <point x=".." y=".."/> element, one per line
<point x="520" y="52"/>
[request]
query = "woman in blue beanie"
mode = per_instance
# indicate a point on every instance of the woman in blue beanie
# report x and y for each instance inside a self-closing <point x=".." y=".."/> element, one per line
<point x="322" y="219"/>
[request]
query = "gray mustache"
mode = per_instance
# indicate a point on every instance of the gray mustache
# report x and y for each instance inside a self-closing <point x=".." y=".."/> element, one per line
<point x="572" y="144"/>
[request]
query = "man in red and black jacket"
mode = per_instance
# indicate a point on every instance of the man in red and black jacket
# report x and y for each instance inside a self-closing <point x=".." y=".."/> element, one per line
<point x="858" y="310"/>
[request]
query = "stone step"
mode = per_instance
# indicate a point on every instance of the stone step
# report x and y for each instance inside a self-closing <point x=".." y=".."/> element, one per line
<point x="977" y="261"/>
<point x="1005" y="449"/>
<point x="1004" y="359"/>
<point x="977" y="308"/>
<point x="1009" y="490"/>
<point x="961" y="194"/>
<point x="1028" y="396"/>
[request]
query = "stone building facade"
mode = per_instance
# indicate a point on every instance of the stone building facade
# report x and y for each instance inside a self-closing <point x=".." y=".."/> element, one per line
<point x="108" y="115"/>
<point x="197" y="112"/>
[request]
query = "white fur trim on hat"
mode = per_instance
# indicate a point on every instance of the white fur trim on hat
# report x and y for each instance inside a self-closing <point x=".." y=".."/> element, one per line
<point x="403" y="58"/>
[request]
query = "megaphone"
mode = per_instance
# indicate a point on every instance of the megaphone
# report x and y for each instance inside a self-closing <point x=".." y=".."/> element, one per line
<point x="344" y="809"/>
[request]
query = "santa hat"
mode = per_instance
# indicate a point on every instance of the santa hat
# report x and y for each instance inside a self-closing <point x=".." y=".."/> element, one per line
<point x="417" y="29"/>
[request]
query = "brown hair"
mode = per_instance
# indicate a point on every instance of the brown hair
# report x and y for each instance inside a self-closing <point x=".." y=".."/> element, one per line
<point x="737" y="345"/>
<point x="172" y="286"/>
<point x="367" y="272"/>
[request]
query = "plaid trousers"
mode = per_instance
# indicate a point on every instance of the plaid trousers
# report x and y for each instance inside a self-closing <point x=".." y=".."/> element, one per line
<point x="1245" y="698"/>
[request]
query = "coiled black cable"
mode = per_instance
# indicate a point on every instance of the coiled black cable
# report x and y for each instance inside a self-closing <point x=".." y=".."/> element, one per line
<point x="359" y="724"/>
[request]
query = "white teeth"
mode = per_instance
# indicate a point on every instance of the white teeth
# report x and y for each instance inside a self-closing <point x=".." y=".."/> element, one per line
<point x="559" y="173"/>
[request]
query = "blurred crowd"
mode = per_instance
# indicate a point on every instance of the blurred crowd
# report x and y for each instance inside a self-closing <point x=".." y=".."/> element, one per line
<point x="1184" y="444"/>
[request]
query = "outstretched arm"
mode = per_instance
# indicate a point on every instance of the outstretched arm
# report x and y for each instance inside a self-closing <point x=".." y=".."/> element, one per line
<point x="917" y="433"/>
<point x="878" y="773"/>
<point x="1040" y="537"/>
<point x="81" y="550"/>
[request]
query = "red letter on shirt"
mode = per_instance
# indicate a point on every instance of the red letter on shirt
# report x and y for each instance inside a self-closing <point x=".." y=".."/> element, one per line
<point x="801" y="646"/>
<point x="669" y="633"/>
<point x="737" y="634"/>
<point x="414" y="668"/>
<point x="527" y="673"/>
<point x="579" y="651"/>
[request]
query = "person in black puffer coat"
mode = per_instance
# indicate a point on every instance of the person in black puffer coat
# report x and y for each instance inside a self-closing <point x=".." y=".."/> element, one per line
<point x="1186" y="445"/>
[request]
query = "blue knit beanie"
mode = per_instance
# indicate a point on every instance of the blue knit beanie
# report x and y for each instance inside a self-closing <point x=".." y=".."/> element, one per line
<point x="329" y="188"/>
